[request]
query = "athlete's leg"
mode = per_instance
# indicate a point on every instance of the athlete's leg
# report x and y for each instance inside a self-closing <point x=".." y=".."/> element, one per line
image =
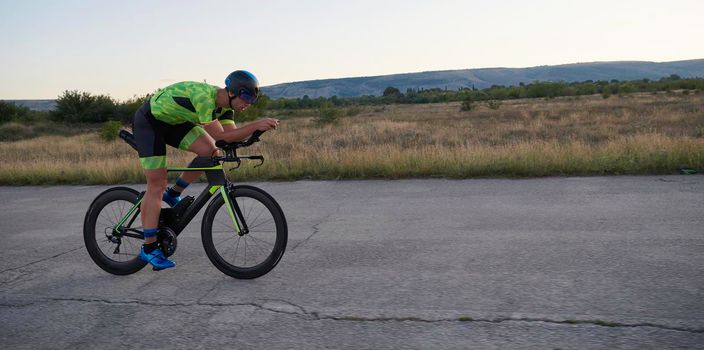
<point x="151" y="146"/>
<point x="203" y="146"/>
<point x="151" y="208"/>
<point x="151" y="204"/>
<point x="200" y="143"/>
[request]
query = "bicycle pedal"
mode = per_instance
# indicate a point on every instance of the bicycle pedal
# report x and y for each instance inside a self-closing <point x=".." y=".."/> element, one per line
<point x="156" y="269"/>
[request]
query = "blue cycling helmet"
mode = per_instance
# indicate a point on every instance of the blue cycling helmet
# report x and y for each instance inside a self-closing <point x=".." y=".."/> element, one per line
<point x="242" y="84"/>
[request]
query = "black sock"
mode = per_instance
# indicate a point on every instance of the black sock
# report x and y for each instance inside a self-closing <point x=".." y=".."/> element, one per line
<point x="150" y="247"/>
<point x="173" y="193"/>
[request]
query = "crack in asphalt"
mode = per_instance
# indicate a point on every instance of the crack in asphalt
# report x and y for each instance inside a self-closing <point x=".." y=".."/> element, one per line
<point x="209" y="291"/>
<point x="316" y="227"/>
<point x="315" y="230"/>
<point x="40" y="260"/>
<point x="288" y="308"/>
<point x="11" y="279"/>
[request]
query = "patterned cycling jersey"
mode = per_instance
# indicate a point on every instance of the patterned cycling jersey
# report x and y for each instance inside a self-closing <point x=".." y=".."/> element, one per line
<point x="187" y="101"/>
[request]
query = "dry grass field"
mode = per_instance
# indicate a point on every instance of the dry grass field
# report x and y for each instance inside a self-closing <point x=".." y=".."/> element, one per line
<point x="630" y="134"/>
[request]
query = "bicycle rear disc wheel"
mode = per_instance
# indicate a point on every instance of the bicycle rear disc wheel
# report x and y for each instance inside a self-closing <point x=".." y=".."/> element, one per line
<point x="114" y="253"/>
<point x="249" y="255"/>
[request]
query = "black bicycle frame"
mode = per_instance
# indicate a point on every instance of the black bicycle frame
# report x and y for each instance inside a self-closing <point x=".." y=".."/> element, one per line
<point x="177" y="221"/>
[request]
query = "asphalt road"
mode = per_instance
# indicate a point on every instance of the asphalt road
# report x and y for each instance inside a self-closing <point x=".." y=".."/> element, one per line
<point x="553" y="263"/>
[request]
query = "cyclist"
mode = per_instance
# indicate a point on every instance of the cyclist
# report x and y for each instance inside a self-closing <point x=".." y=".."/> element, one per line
<point x="190" y="116"/>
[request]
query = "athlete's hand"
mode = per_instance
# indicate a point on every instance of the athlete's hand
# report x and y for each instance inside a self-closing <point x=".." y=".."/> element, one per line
<point x="267" y="124"/>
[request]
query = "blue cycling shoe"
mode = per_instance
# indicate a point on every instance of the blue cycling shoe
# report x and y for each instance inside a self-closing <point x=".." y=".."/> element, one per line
<point x="171" y="201"/>
<point x="157" y="259"/>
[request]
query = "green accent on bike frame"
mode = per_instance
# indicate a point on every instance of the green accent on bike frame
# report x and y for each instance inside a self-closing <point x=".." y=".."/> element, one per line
<point x="155" y="162"/>
<point x="229" y="209"/>
<point x="217" y="167"/>
<point x="214" y="189"/>
<point x="191" y="137"/>
<point x="129" y="213"/>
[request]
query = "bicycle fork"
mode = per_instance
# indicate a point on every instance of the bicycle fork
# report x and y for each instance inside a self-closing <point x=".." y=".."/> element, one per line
<point x="234" y="210"/>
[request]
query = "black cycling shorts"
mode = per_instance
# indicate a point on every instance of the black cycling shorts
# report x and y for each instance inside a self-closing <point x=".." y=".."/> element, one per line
<point x="153" y="135"/>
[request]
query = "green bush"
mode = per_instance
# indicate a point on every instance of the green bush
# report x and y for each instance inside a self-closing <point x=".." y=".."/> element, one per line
<point x="392" y="95"/>
<point x="82" y="107"/>
<point x="126" y="110"/>
<point x="327" y="115"/>
<point x="13" y="131"/>
<point x="109" y="130"/>
<point x="391" y="91"/>
<point x="467" y="104"/>
<point x="9" y="111"/>
<point x="352" y="111"/>
<point x="700" y="132"/>
<point x="35" y="117"/>
<point x="493" y="104"/>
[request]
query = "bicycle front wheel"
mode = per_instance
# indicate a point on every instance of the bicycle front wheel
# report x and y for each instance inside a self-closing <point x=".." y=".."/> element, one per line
<point x="251" y="254"/>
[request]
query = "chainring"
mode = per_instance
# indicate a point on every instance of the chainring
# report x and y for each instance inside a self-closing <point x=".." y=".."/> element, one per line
<point x="167" y="241"/>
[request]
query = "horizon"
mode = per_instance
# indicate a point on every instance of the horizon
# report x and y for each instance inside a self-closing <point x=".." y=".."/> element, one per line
<point x="492" y="67"/>
<point x="402" y="73"/>
<point x="131" y="48"/>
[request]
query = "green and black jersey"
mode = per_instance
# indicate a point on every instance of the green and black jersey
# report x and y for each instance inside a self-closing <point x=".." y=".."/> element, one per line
<point x="188" y="101"/>
<point x="172" y="116"/>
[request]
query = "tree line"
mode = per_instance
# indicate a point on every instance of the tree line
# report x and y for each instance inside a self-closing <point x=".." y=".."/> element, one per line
<point x="82" y="107"/>
<point x="74" y="106"/>
<point x="538" y="89"/>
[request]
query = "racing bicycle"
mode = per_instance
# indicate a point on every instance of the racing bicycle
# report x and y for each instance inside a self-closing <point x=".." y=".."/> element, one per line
<point x="244" y="230"/>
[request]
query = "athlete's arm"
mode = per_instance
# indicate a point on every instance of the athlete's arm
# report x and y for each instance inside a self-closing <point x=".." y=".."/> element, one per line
<point x="216" y="130"/>
<point x="228" y="127"/>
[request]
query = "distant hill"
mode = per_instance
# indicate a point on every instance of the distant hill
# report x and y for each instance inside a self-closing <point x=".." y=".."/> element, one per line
<point x="37" y="105"/>
<point x="486" y="77"/>
<point x="465" y="78"/>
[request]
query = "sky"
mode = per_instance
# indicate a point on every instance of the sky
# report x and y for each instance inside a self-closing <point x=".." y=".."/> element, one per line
<point x="126" y="48"/>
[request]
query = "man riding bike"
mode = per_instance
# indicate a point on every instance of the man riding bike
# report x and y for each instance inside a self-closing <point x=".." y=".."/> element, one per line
<point x="190" y="116"/>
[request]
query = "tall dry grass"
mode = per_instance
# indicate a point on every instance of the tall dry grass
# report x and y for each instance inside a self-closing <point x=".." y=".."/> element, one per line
<point x="634" y="134"/>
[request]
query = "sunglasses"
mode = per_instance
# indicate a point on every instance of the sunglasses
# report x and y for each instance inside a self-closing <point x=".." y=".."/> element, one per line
<point x="248" y="97"/>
